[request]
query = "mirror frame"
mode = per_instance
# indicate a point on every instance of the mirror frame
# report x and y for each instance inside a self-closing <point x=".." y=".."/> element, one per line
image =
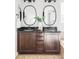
<point x="24" y="14"/>
<point x="44" y="16"/>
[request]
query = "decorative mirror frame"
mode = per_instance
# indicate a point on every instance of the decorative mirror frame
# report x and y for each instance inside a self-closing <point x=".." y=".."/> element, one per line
<point x="55" y="15"/>
<point x="24" y="14"/>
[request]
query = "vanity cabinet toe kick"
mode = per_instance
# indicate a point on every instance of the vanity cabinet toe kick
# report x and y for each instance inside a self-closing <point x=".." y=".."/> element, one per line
<point x="37" y="42"/>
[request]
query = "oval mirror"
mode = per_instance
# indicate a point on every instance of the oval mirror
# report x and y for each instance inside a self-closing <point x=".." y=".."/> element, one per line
<point x="49" y="13"/>
<point x="29" y="14"/>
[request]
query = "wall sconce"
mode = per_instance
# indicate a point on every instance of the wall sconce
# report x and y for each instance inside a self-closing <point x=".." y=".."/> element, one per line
<point x="50" y="1"/>
<point x="29" y="0"/>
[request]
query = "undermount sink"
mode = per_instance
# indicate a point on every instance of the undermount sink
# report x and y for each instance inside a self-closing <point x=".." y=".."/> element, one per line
<point x="28" y="29"/>
<point x="50" y="29"/>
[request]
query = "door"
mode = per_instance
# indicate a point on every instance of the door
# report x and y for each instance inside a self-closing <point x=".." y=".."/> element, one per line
<point x="26" y="42"/>
<point x="51" y="42"/>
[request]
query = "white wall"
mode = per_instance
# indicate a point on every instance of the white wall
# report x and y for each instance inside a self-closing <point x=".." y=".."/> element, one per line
<point x="61" y="23"/>
<point x="39" y="5"/>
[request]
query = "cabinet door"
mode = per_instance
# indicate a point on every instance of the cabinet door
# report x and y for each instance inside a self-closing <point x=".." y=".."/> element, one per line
<point x="27" y="41"/>
<point x="51" y="42"/>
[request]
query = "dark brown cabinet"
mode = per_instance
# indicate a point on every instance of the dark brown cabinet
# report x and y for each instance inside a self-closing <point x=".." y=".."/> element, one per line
<point x="26" y="42"/>
<point x="51" y="42"/>
<point x="38" y="42"/>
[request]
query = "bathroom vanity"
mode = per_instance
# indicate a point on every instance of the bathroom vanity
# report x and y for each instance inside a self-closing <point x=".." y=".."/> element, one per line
<point x="36" y="41"/>
<point x="32" y="15"/>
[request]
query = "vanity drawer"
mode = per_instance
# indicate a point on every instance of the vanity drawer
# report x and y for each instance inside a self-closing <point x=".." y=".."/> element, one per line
<point x="39" y="45"/>
<point x="39" y="38"/>
<point x="40" y="42"/>
<point x="39" y="34"/>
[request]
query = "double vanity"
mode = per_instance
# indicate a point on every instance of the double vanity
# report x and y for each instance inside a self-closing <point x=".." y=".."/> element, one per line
<point x="31" y="40"/>
<point x="37" y="22"/>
